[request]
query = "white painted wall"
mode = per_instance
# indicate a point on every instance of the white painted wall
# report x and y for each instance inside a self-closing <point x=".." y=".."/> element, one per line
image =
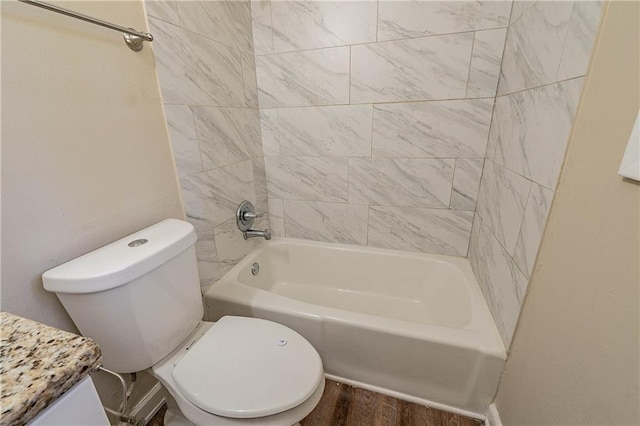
<point x="575" y="353"/>
<point x="85" y="153"/>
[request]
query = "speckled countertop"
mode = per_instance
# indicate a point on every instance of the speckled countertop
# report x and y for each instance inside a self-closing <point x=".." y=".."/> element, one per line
<point x="38" y="364"/>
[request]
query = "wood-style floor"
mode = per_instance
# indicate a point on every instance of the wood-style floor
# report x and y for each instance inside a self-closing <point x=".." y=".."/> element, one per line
<point x="344" y="405"/>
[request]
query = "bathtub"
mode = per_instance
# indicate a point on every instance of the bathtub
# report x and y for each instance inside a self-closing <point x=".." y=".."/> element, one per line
<point x="409" y="325"/>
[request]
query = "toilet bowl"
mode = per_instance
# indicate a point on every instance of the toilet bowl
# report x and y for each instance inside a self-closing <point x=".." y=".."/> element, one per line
<point x="268" y="374"/>
<point x="139" y="299"/>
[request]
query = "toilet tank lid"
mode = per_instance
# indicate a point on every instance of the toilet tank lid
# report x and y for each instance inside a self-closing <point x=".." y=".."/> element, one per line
<point x="122" y="261"/>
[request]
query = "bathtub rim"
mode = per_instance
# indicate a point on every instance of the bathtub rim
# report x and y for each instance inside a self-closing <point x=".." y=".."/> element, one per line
<point x="480" y="332"/>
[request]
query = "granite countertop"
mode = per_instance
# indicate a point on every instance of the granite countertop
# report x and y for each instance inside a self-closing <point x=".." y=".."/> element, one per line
<point x="39" y="363"/>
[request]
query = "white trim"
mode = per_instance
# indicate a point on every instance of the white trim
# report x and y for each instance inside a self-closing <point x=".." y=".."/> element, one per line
<point x="493" y="417"/>
<point x="405" y="397"/>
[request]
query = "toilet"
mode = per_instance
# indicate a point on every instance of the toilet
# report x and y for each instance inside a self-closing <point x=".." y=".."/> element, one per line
<point x="139" y="299"/>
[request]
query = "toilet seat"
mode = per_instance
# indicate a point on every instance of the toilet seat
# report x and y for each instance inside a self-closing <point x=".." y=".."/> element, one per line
<point x="203" y="360"/>
<point x="254" y="368"/>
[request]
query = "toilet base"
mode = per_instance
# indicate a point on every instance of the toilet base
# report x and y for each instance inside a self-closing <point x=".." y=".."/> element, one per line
<point x="175" y="418"/>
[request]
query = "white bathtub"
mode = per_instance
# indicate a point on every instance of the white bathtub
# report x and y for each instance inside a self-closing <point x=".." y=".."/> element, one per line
<point x="414" y="326"/>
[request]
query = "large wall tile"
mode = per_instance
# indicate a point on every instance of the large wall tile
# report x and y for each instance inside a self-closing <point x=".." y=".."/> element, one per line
<point x="270" y="132"/>
<point x="184" y="139"/>
<point x="206" y="253"/>
<point x="330" y="222"/>
<point x="228" y="22"/>
<point x="167" y="10"/>
<point x="315" y="77"/>
<point x="534" y="46"/>
<point x="231" y="246"/>
<point x="211" y="198"/>
<point x="406" y="19"/>
<point x="519" y="7"/>
<point x="535" y="218"/>
<point x="466" y="183"/>
<point x="227" y="135"/>
<point x="503" y="284"/>
<point x="411" y="70"/>
<point x="260" y="183"/>
<point x="501" y="202"/>
<point x="301" y="25"/>
<point x="206" y="86"/>
<point x="432" y="129"/>
<point x="195" y="70"/>
<point x="418" y="229"/>
<point x="249" y="80"/>
<point x="326" y="131"/>
<point x="485" y="63"/>
<point x="276" y="217"/>
<point x="530" y="130"/>
<point x="548" y="45"/>
<point x="262" y="28"/>
<point x="414" y="182"/>
<point x="583" y="27"/>
<point x="307" y="178"/>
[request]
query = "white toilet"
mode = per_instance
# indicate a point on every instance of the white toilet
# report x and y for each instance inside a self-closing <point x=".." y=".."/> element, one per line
<point x="139" y="299"/>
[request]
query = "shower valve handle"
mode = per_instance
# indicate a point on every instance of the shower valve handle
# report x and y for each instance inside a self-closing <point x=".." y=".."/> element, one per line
<point x="251" y="215"/>
<point x="245" y="215"/>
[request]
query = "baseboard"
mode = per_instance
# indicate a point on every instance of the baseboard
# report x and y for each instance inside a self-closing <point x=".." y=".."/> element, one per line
<point x="493" y="417"/>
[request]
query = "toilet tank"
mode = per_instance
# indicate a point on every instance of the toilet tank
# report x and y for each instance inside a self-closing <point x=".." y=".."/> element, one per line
<point x="138" y="297"/>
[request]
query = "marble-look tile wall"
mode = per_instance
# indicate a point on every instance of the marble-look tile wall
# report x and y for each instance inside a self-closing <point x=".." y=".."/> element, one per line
<point x="545" y="59"/>
<point x="375" y="117"/>
<point x="206" y="68"/>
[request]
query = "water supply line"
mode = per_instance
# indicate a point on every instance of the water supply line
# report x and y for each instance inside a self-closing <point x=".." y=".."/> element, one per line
<point x="121" y="413"/>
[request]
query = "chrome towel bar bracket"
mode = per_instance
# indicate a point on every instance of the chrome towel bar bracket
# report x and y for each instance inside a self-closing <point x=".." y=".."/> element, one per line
<point x="134" y="39"/>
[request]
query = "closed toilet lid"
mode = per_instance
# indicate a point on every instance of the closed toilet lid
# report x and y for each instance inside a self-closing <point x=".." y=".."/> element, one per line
<point x="248" y="367"/>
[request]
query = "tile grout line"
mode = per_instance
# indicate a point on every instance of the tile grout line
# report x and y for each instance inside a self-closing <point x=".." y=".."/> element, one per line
<point x="504" y="95"/>
<point x="402" y="157"/>
<point x="510" y="258"/>
<point x="368" y="222"/>
<point x="564" y="43"/>
<point x="284" y="219"/>
<point x="504" y="49"/>
<point x="209" y="38"/>
<point x="244" y="83"/>
<point x="350" y="71"/>
<point x="453" y="180"/>
<point x="482" y="98"/>
<point x="373" y="111"/>
<point x="180" y="20"/>
<point x="273" y="38"/>
<point x="380" y="41"/>
<point x="195" y="127"/>
<point x="377" y="18"/>
<point x="473" y="45"/>
<point x="524" y="212"/>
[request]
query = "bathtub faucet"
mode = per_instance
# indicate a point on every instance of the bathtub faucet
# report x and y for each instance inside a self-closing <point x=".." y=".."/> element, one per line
<point x="252" y="233"/>
<point x="245" y="215"/>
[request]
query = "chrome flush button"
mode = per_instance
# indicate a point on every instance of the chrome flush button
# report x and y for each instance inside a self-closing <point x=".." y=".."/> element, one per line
<point x="136" y="243"/>
<point x="281" y="342"/>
